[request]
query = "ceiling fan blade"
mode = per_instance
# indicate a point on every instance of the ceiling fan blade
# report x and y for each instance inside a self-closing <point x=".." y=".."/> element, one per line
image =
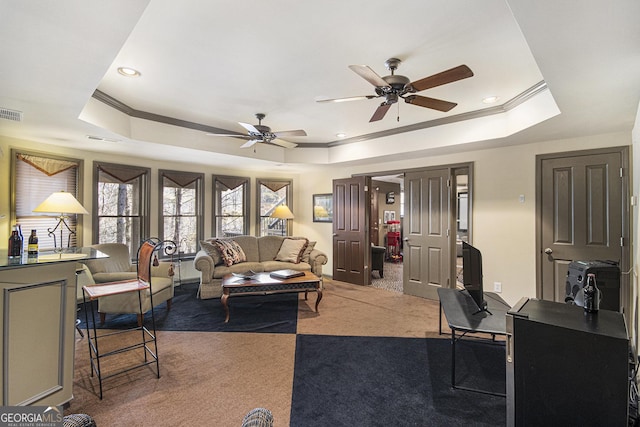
<point x="283" y="143"/>
<point x="249" y="143"/>
<point x="298" y="132"/>
<point x="351" y="98"/>
<point x="369" y="75"/>
<point x="249" y="127"/>
<point x="454" y="74"/>
<point x="380" y="112"/>
<point x="435" y="104"/>
<point x="228" y="134"/>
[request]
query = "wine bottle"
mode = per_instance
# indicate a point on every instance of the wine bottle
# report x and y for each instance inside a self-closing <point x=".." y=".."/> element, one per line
<point x="32" y="247"/>
<point x="15" y="243"/>
<point x="12" y="242"/>
<point x="591" y="294"/>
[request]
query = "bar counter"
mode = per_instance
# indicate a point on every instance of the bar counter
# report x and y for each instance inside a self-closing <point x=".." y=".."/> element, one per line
<point x="38" y="300"/>
<point x="66" y="255"/>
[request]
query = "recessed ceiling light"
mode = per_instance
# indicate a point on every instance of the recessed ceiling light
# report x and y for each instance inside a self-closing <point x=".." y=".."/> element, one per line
<point x="491" y="99"/>
<point x="341" y="135"/>
<point x="128" y="72"/>
<point x="100" y="138"/>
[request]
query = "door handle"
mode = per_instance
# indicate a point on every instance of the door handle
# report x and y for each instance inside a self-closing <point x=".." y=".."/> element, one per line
<point x="548" y="251"/>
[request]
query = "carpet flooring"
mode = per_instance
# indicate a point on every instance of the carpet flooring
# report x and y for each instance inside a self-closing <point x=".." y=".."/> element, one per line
<point x="190" y="314"/>
<point x="388" y="381"/>
<point x="369" y="357"/>
<point x="392" y="277"/>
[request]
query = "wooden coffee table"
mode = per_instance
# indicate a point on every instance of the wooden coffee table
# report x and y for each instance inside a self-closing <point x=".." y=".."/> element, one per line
<point x="264" y="284"/>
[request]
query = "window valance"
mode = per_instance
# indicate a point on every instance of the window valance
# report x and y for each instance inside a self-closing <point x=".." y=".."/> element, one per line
<point x="181" y="179"/>
<point x="122" y="173"/>
<point x="46" y="165"/>
<point x="275" y="185"/>
<point x="231" y="182"/>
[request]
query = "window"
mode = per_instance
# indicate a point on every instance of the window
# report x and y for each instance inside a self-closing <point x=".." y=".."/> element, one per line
<point x="181" y="209"/>
<point x="36" y="177"/>
<point x="271" y="194"/>
<point x="230" y="206"/>
<point x="121" y="205"/>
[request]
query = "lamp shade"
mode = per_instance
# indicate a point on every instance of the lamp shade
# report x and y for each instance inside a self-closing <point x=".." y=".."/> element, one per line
<point x="282" y="212"/>
<point x="61" y="202"/>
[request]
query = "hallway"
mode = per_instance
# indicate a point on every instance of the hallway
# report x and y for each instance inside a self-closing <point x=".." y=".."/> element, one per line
<point x="392" y="280"/>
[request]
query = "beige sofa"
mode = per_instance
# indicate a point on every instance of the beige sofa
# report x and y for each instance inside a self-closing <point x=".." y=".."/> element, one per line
<point x="260" y="254"/>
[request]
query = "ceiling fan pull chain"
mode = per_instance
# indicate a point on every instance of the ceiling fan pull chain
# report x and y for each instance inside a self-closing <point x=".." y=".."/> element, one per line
<point x="398" y="104"/>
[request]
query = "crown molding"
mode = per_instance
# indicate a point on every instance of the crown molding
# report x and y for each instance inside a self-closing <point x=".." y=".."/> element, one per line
<point x="498" y="109"/>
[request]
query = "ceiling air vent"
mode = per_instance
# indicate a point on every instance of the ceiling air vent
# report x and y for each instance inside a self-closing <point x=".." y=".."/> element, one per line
<point x="5" y="113"/>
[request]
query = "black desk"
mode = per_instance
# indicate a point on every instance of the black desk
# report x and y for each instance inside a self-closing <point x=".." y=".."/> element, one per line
<point x="458" y="307"/>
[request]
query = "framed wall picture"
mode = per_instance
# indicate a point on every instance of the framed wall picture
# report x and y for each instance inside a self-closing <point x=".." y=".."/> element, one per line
<point x="323" y="207"/>
<point x="391" y="198"/>
<point x="389" y="216"/>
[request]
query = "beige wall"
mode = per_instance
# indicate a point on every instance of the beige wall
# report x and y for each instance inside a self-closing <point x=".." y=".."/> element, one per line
<point x="503" y="227"/>
<point x="635" y="231"/>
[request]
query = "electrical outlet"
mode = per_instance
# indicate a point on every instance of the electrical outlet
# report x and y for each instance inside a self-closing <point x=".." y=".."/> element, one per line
<point x="497" y="286"/>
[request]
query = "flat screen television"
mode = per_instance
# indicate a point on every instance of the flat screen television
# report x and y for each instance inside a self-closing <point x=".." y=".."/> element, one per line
<point x="472" y="274"/>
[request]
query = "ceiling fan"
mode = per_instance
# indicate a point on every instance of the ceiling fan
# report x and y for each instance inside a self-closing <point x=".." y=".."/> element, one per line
<point x="395" y="86"/>
<point x="262" y="133"/>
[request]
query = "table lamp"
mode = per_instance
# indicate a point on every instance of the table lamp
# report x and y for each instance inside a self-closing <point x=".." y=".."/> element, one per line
<point x="283" y="213"/>
<point x="61" y="203"/>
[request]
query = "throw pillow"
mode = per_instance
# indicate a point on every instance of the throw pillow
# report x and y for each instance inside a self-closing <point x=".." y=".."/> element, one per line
<point x="211" y="250"/>
<point x="291" y="250"/>
<point x="306" y="255"/>
<point x="230" y="251"/>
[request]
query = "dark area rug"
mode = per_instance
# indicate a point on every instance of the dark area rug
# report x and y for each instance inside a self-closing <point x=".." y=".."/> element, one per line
<point x="269" y="314"/>
<point x="372" y="381"/>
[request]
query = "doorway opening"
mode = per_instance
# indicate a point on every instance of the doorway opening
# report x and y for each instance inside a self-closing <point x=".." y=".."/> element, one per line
<point x="386" y="232"/>
<point x="387" y="226"/>
<point x="462" y="214"/>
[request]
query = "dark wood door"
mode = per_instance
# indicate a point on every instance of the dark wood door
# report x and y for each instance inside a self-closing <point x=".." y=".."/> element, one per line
<point x="427" y="259"/>
<point x="351" y="251"/>
<point x="374" y="228"/>
<point x="581" y="215"/>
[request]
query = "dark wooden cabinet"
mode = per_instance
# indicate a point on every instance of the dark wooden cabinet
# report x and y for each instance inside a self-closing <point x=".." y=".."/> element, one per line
<point x="566" y="367"/>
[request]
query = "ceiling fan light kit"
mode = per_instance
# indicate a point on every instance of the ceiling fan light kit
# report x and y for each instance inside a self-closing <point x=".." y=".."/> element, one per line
<point x="395" y="86"/>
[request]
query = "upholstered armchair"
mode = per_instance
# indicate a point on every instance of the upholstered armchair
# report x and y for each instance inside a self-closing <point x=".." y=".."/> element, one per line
<point x="377" y="259"/>
<point x="119" y="267"/>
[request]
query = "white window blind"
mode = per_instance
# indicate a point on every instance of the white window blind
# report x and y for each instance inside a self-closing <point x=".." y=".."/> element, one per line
<point x="33" y="184"/>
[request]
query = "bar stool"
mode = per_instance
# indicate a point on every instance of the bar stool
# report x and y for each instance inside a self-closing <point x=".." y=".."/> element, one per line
<point x="147" y="342"/>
